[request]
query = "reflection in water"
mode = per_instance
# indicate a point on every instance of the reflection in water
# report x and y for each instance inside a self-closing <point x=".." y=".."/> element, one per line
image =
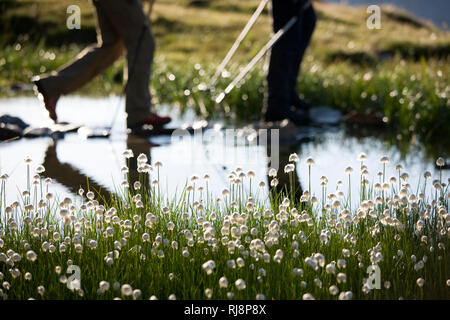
<point x="74" y="179"/>
<point x="286" y="181"/>
<point x="69" y="176"/>
<point x="138" y="146"/>
<point x="72" y="162"/>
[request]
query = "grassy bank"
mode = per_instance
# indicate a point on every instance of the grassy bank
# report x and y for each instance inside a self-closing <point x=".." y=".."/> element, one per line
<point x="141" y="245"/>
<point x="400" y="71"/>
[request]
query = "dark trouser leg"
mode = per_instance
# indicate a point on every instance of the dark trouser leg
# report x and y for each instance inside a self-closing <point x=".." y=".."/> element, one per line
<point x="278" y="84"/>
<point x="282" y="62"/>
<point x="306" y="29"/>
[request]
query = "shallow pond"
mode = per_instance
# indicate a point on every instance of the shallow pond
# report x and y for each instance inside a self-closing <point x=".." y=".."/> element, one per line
<point x="72" y="160"/>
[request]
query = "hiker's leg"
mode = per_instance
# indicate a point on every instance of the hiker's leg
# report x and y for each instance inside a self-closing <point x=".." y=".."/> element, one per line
<point x="90" y="62"/>
<point x="278" y="86"/>
<point x="134" y="27"/>
<point x="140" y="53"/>
<point x="305" y="30"/>
<point x="282" y="60"/>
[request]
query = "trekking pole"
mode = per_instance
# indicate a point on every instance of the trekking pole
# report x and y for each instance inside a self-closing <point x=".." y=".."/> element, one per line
<point x="238" y="41"/>
<point x="267" y="58"/>
<point x="150" y="7"/>
<point x="258" y="57"/>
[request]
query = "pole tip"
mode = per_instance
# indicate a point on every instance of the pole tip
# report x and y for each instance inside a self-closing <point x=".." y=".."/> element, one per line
<point x="220" y="97"/>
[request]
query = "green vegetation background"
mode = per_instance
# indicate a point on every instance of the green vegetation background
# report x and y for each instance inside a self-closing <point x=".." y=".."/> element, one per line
<point x="399" y="72"/>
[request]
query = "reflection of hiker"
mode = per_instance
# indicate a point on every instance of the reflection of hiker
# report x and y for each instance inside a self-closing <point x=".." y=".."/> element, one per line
<point x="285" y="60"/>
<point x="70" y="177"/>
<point x="121" y="23"/>
<point x="73" y="179"/>
<point x="284" y="180"/>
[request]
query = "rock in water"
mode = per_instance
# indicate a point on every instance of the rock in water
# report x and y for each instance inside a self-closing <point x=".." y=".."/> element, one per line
<point x="11" y="127"/>
<point x="325" y="116"/>
<point x="7" y="119"/>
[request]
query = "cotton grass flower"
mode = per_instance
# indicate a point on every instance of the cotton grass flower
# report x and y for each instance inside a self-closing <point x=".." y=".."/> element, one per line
<point x="387" y="284"/>
<point x="341" y="278"/>
<point x="347" y="295"/>
<point x="309" y="161"/>
<point x="240" y="284"/>
<point x="104" y="286"/>
<point x="274" y="182"/>
<point x="223" y="282"/>
<point x="137" y="294"/>
<point x="158" y="164"/>
<point x="260" y="296"/>
<point x="341" y="263"/>
<point x="420" y="282"/>
<point x="440" y="162"/>
<point x="209" y="266"/>
<point x="41" y="290"/>
<point x="330" y="268"/>
<point x="384" y="159"/>
<point x="40" y="169"/>
<point x="272" y="172"/>
<point x="208" y="293"/>
<point x="362" y="157"/>
<point x="128" y="154"/>
<point x="126" y="290"/>
<point x="90" y="195"/>
<point x="333" y="290"/>
<point x="308" y="296"/>
<point x="298" y="272"/>
<point x="289" y="168"/>
<point x="31" y="256"/>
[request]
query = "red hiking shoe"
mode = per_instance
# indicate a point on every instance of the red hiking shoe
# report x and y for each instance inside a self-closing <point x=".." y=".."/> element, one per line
<point x="49" y="101"/>
<point x="155" y="120"/>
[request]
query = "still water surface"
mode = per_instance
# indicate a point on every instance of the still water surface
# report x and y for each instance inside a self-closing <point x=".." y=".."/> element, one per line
<point x="71" y="160"/>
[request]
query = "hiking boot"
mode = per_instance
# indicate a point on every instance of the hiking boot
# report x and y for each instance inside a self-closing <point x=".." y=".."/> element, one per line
<point x="298" y="118"/>
<point x="155" y="120"/>
<point x="299" y="103"/>
<point x="48" y="100"/>
<point x="149" y="124"/>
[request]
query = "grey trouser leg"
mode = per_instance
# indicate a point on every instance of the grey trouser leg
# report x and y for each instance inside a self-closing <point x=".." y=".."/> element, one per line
<point x="120" y="24"/>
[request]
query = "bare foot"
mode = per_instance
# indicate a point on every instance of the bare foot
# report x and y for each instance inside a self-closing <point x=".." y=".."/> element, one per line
<point x="48" y="100"/>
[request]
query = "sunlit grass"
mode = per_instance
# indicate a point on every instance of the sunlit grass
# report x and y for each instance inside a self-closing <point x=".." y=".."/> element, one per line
<point x="237" y="245"/>
<point x="347" y="66"/>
